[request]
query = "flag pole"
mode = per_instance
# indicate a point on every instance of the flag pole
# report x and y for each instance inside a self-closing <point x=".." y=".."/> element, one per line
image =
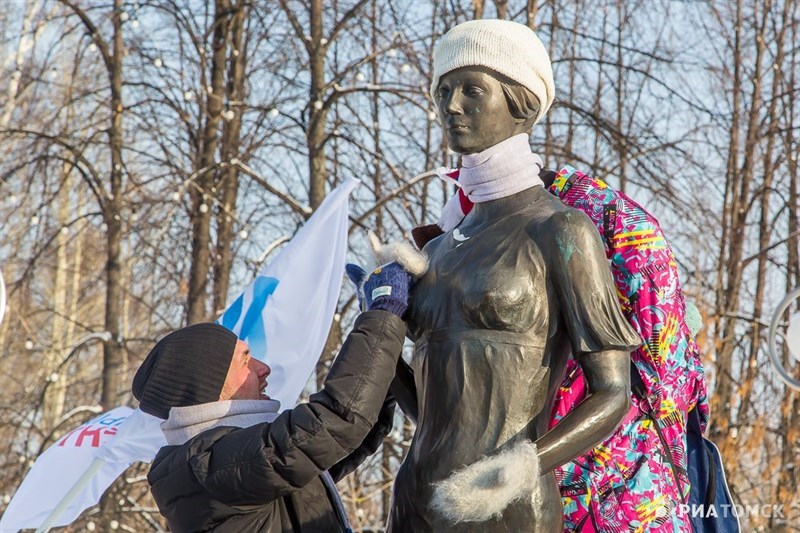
<point x="76" y="489"/>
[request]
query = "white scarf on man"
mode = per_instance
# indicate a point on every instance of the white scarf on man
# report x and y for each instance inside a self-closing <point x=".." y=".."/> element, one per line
<point x="185" y="423"/>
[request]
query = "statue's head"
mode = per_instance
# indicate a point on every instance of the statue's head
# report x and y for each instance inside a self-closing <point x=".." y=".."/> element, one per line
<point x="492" y="79"/>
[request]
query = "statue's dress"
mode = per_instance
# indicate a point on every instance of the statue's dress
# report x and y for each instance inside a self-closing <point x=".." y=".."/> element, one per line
<point x="508" y="293"/>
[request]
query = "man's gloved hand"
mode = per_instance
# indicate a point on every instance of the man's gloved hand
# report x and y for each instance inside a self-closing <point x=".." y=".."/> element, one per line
<point x="387" y="288"/>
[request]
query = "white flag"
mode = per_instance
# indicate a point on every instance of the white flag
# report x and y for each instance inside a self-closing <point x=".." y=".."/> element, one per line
<point x="286" y="313"/>
<point x="56" y="471"/>
<point x="138" y="439"/>
<point x="76" y="470"/>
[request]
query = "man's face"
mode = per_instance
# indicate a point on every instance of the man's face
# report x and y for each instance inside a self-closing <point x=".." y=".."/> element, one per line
<point x="247" y="377"/>
<point x="473" y="110"/>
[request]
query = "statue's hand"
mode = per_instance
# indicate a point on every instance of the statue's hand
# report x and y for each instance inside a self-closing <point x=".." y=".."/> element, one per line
<point x="482" y="491"/>
<point x="414" y="261"/>
<point x="357" y="275"/>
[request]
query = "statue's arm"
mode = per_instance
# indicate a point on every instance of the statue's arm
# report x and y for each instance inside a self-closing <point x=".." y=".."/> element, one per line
<point x="607" y="376"/>
<point x="600" y="337"/>
<point x="404" y="390"/>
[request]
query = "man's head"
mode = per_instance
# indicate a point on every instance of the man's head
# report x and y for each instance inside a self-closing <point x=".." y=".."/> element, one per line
<point x="197" y="364"/>
<point x="507" y="52"/>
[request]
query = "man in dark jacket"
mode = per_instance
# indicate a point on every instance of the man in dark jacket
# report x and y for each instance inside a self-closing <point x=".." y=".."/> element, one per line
<point x="232" y="463"/>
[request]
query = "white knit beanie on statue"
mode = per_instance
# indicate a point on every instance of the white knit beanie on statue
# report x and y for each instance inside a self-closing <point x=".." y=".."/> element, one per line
<point x="507" y="47"/>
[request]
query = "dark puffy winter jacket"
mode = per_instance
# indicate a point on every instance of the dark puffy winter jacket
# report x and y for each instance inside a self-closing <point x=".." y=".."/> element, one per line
<point x="266" y="477"/>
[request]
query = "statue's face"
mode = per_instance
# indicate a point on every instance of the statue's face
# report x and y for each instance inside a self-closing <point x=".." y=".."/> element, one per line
<point x="473" y="111"/>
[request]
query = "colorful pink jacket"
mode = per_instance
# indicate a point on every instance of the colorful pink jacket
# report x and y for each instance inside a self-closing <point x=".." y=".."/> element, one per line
<point x="636" y="479"/>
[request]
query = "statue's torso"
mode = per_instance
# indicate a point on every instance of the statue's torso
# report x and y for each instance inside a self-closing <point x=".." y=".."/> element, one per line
<point x="489" y="355"/>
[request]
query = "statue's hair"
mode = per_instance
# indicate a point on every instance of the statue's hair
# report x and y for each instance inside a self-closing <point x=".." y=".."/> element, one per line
<point x="522" y="103"/>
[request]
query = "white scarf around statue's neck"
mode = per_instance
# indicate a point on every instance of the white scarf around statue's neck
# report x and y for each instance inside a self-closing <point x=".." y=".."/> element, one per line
<point x="499" y="171"/>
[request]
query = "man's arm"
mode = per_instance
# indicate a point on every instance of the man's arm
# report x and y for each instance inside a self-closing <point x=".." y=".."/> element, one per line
<point x="262" y="463"/>
<point x="371" y="442"/>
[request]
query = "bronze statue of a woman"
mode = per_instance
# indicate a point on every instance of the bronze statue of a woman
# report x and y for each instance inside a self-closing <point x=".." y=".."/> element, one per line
<point x="511" y="289"/>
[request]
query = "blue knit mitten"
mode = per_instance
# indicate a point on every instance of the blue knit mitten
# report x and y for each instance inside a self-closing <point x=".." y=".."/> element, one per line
<point x="386" y="289"/>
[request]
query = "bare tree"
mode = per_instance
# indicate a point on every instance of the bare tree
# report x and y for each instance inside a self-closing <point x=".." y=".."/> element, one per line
<point x="155" y="149"/>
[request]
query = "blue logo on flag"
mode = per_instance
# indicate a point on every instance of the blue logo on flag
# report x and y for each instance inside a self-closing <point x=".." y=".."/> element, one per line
<point x="252" y="329"/>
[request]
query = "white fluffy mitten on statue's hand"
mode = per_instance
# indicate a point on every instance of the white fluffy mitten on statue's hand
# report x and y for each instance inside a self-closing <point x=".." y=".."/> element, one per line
<point x="412" y="260"/>
<point x="482" y="491"/>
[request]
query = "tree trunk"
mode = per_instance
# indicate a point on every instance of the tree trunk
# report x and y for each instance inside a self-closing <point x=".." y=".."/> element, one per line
<point x="740" y="180"/>
<point x="318" y="113"/>
<point x="619" y="89"/>
<point x="55" y="393"/>
<point x="788" y="484"/>
<point x="597" y="108"/>
<point x="201" y="194"/>
<point x="231" y="140"/>
<point x="531" y="10"/>
<point x="548" y="146"/>
<point x="112" y="350"/>
<point x="765" y="224"/>
<point x="26" y="39"/>
<point x="502" y="8"/>
<point x="477" y="9"/>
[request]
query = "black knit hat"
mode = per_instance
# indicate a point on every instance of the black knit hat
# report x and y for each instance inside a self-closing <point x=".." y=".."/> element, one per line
<point x="187" y="367"/>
